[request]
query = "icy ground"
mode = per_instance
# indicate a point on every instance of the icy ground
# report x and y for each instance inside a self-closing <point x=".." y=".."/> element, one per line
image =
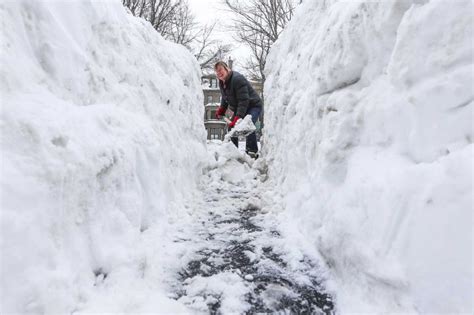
<point x="235" y="259"/>
<point x="368" y="143"/>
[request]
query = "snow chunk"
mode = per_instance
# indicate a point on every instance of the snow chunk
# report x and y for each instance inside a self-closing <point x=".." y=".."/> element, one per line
<point x="227" y="286"/>
<point x="243" y="127"/>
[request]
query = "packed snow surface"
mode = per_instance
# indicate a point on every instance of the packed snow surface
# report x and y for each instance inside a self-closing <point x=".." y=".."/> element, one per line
<point x="369" y="131"/>
<point x="368" y="144"/>
<point x="102" y="140"/>
<point x="232" y="257"/>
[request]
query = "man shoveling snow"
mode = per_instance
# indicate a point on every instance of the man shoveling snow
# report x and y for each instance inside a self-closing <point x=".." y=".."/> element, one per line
<point x="240" y="97"/>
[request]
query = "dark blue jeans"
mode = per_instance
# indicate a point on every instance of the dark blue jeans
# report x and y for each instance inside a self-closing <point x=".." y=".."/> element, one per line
<point x="251" y="141"/>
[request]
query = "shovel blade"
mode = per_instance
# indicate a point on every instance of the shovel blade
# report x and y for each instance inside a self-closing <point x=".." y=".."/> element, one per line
<point x="242" y="133"/>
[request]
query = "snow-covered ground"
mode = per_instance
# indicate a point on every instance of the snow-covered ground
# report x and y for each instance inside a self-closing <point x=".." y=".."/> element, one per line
<point x="232" y="258"/>
<point x="112" y="203"/>
<point x="102" y="140"/>
<point x="369" y="131"/>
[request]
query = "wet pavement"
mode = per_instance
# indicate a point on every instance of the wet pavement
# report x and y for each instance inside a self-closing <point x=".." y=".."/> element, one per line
<point x="232" y="241"/>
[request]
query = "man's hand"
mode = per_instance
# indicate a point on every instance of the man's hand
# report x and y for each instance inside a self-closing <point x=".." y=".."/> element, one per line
<point x="220" y="112"/>
<point x="232" y="123"/>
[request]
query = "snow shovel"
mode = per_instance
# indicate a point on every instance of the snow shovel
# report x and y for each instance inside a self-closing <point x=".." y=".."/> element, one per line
<point x="243" y="127"/>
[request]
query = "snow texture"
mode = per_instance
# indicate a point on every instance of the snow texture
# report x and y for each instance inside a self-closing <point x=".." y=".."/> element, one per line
<point x="102" y="141"/>
<point x="109" y="194"/>
<point x="369" y="131"/>
<point x="243" y="127"/>
<point x="233" y="259"/>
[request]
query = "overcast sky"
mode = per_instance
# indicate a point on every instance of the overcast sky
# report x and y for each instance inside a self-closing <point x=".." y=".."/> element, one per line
<point x="207" y="11"/>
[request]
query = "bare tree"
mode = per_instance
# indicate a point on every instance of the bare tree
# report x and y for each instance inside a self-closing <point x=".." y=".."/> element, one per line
<point x="184" y="28"/>
<point x="209" y="50"/>
<point x="136" y="7"/>
<point x="168" y="17"/>
<point x="259" y="23"/>
<point x="174" y="21"/>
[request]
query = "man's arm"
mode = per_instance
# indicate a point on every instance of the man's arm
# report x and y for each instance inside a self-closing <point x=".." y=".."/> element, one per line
<point x="223" y="107"/>
<point x="224" y="102"/>
<point x="242" y="95"/>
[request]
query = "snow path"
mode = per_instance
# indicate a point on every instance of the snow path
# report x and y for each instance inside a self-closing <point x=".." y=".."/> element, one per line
<point x="235" y="264"/>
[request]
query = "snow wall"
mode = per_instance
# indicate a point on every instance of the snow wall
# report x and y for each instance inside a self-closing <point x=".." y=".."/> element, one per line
<point x="369" y="137"/>
<point x="102" y="138"/>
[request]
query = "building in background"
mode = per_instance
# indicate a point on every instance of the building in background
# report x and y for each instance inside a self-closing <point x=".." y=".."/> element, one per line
<point x="216" y="129"/>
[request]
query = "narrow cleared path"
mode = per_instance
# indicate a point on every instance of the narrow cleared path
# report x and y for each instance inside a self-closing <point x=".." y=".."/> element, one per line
<point x="237" y="265"/>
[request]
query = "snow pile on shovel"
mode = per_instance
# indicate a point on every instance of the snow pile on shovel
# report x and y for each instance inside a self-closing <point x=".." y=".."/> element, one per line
<point x="243" y="127"/>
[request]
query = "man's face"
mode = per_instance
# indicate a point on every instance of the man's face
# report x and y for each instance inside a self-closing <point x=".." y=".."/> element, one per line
<point x="221" y="73"/>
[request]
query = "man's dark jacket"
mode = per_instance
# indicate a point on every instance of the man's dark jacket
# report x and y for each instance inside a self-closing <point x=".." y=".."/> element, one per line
<point x="238" y="94"/>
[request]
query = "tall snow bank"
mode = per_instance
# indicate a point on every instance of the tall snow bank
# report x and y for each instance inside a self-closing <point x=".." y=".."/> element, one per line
<point x="369" y="138"/>
<point x="102" y="140"/>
